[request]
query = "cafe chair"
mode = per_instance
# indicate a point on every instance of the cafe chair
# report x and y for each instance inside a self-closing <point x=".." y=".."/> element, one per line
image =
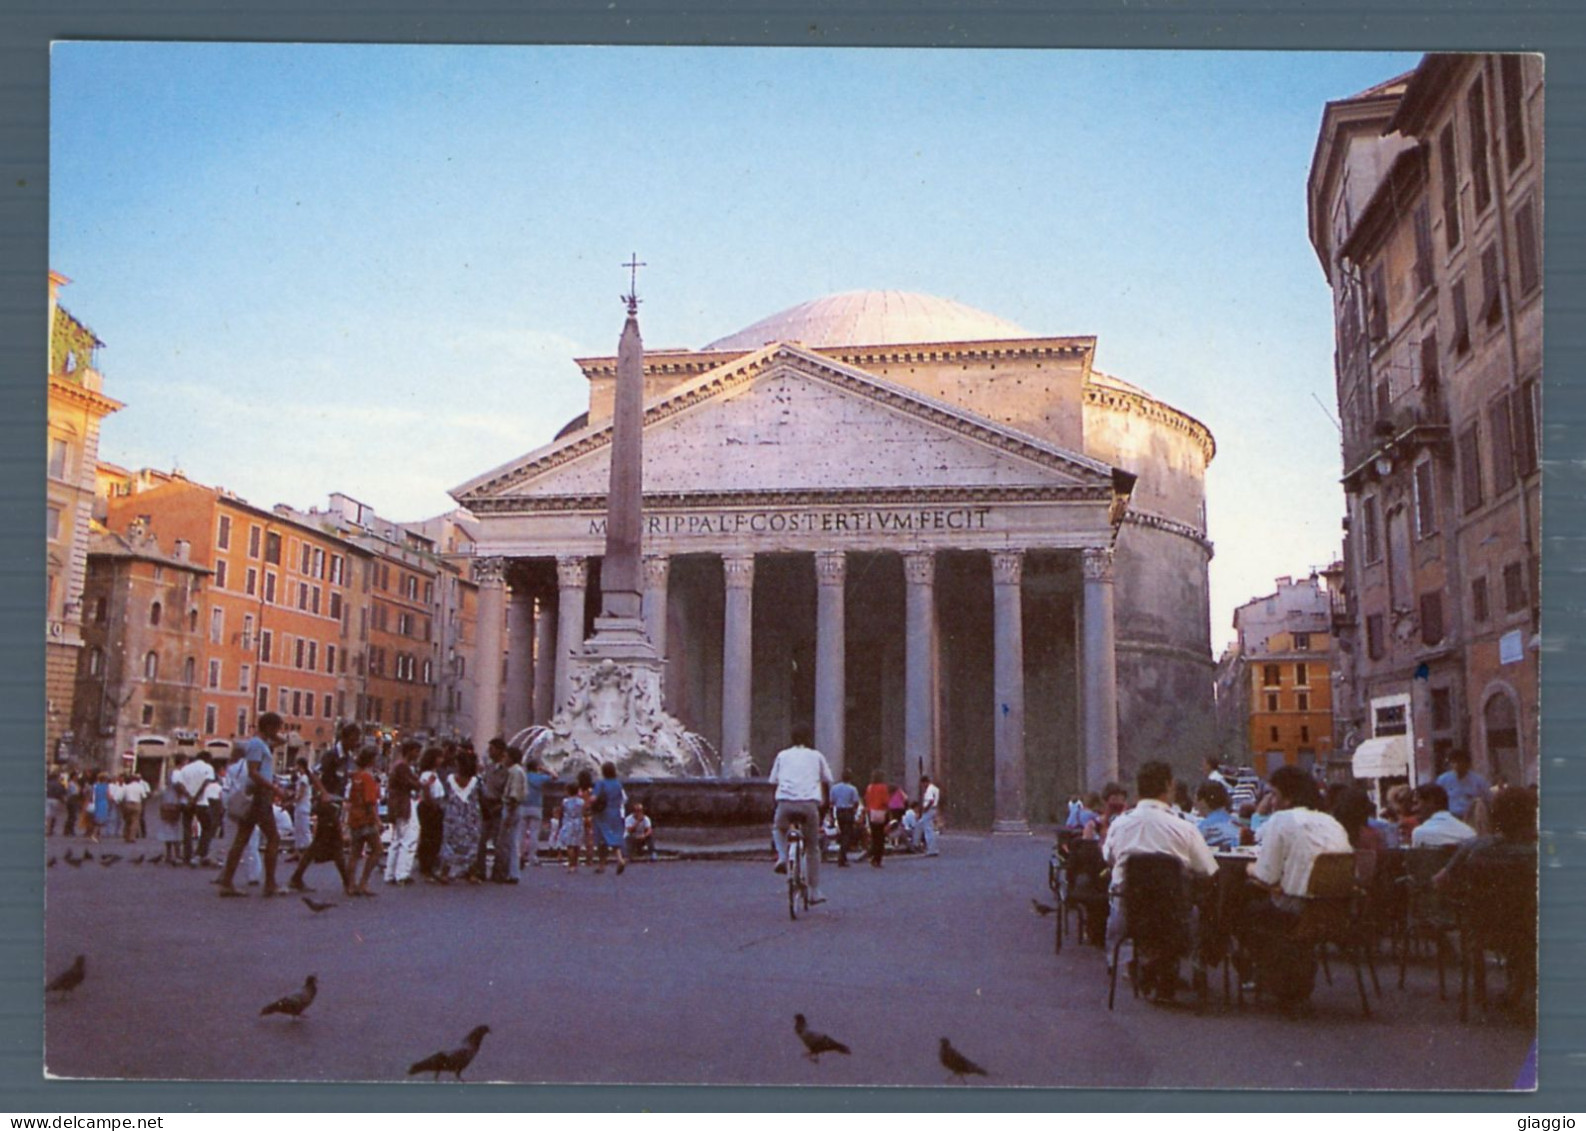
<point x="1157" y="916"/>
<point x="1082" y="890"/>
<point x="1497" y="910"/>
<point x="1425" y="915"/>
<point x="1332" y="916"/>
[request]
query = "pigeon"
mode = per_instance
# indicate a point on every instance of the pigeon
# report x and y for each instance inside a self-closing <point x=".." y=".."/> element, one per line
<point x="74" y="861"/>
<point x="315" y="906"/>
<point x="957" y="1063"/>
<point x="51" y="864"/>
<point x="816" y="1043"/>
<point x="138" y="859"/>
<point x="109" y="859"/>
<point x="454" y="1061"/>
<point x="293" y="1005"/>
<point x="1041" y="908"/>
<point x="70" y="979"/>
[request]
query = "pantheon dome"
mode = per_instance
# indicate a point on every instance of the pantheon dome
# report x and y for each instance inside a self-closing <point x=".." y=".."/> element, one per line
<point x="861" y="513"/>
<point x="873" y="318"/>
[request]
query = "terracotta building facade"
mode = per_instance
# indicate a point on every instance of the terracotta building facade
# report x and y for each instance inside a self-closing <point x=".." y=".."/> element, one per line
<point x="1425" y="202"/>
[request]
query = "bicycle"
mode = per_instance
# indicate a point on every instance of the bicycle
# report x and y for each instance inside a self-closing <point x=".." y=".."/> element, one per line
<point x="798" y="891"/>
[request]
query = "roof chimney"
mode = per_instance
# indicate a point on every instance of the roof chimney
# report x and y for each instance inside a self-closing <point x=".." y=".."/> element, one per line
<point x="180" y="550"/>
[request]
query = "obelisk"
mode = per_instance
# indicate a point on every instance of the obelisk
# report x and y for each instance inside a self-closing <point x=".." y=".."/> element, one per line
<point x="621" y="577"/>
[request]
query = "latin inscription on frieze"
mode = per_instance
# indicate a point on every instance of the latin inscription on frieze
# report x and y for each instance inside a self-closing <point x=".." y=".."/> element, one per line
<point x="880" y="521"/>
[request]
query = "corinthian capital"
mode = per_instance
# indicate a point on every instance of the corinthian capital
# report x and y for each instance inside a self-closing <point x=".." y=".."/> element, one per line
<point x="831" y="567"/>
<point x="490" y="571"/>
<point x="1007" y="567"/>
<point x="1098" y="563"/>
<point x="738" y="570"/>
<point x="572" y="572"/>
<point x="919" y="567"/>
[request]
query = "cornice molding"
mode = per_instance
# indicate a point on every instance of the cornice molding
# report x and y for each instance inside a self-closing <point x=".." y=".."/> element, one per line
<point x="1139" y="404"/>
<point x="1169" y="526"/>
<point x="884" y="496"/>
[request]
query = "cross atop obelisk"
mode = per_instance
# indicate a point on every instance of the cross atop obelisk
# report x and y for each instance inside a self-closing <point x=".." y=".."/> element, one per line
<point x="632" y="297"/>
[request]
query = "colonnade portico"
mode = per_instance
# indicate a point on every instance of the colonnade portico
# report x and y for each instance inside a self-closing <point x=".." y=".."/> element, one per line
<point x="542" y="614"/>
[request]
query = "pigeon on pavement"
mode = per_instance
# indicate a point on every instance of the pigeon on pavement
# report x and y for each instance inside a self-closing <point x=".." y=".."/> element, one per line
<point x="70" y="978"/>
<point x="74" y="861"/>
<point x="315" y="906"/>
<point x="51" y="864"/>
<point x="1041" y="908"/>
<point x="455" y="1060"/>
<point x="138" y="859"/>
<point x="816" y="1043"/>
<point x="959" y="1064"/>
<point x="109" y="859"/>
<point x="293" y="1005"/>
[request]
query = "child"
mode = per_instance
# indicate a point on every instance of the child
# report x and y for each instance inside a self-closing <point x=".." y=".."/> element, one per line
<point x="326" y="845"/>
<point x="574" y="809"/>
<point x="363" y="822"/>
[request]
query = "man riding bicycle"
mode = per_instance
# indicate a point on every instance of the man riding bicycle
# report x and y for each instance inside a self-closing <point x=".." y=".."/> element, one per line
<point x="802" y="778"/>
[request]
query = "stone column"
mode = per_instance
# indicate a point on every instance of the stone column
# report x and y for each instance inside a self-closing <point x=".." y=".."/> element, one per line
<point x="518" y="695"/>
<point x="657" y="570"/>
<point x="831" y="567"/>
<point x="544" y="661"/>
<point x="572" y="575"/>
<point x="737" y="655"/>
<point x="919" y="669"/>
<point x="1007" y="572"/>
<point x="490" y="575"/>
<point x="1099" y="664"/>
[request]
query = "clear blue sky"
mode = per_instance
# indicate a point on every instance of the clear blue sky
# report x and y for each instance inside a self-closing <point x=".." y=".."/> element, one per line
<point x="367" y="268"/>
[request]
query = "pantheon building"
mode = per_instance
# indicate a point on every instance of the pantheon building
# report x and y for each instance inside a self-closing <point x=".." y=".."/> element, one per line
<point x="949" y="545"/>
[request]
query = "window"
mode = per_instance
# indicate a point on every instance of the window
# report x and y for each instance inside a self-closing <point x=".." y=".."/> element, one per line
<point x="1450" y="171"/>
<point x="335" y="605"/>
<point x="329" y="714"/>
<point x="1384" y="397"/>
<point x="242" y="721"/>
<point x="52" y="523"/>
<point x="1374" y="638"/>
<point x="1368" y="523"/>
<point x="330" y="658"/>
<point x="223" y="533"/>
<point x="405" y="624"/>
<point x="1502" y="424"/>
<point x="1478" y="600"/>
<point x="1429" y="369"/>
<point x="1302" y="701"/>
<point x="1469" y="452"/>
<point x="264" y="703"/>
<point x="1425" y="499"/>
<point x="335" y="569"/>
<point x="148" y="714"/>
<point x="1305" y="733"/>
<point x="319" y="565"/>
<point x="306" y="566"/>
<point x="313" y="604"/>
<point x="1528" y="247"/>
<point x="1274" y="732"/>
<point x="59" y="451"/>
<point x="1491" y="304"/>
<point x="1442" y="708"/>
<point x="429" y="671"/>
<point x="1525" y="417"/>
<point x="244" y="675"/>
<point x="1423" y="246"/>
<point x="217" y="625"/>
<point x="247" y="632"/>
<point x="1513" y="588"/>
<point x="1270" y="676"/>
<point x="214" y="675"/>
<point x="297" y="702"/>
<point x="1377" y="305"/>
<point x="266" y="638"/>
<point x="1513" y="110"/>
<point x="301" y="648"/>
<point x="1476" y="114"/>
<point x="254" y="534"/>
<point x="220" y="573"/>
<point x="96" y="660"/>
<point x="269" y="588"/>
<point x="272" y="549"/>
<point x="154" y="613"/>
<point x="1431" y="618"/>
<point x="1456" y="295"/>
<point x="1302" y="643"/>
<point x="1302" y="675"/>
<point x="313" y="655"/>
<point x="250" y="584"/>
<point x="284" y="701"/>
<point x="151" y="665"/>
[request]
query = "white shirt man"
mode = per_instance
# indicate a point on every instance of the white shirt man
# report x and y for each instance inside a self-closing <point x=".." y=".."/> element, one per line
<point x="801" y="775"/>
<point x="1291" y="840"/>
<point x="930" y="806"/>
<point x="1440" y="830"/>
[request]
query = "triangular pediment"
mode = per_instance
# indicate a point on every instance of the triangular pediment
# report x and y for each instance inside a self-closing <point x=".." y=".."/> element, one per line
<point x="784" y="420"/>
